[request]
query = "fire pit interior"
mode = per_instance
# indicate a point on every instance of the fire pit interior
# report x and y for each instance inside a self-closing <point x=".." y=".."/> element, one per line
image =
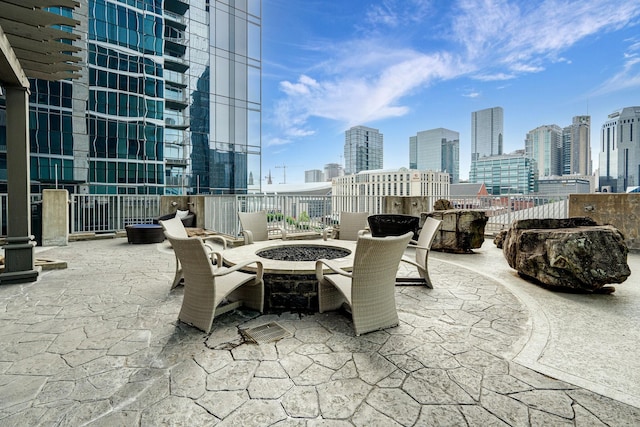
<point x="303" y="253"/>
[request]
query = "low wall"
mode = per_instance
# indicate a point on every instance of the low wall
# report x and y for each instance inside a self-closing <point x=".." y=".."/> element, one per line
<point x="618" y="209"/>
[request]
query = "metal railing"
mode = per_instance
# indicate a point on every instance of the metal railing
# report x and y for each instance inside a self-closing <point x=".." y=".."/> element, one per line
<point x="109" y="213"/>
<point x="296" y="213"/>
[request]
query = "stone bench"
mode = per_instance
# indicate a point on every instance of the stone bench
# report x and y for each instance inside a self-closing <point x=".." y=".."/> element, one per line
<point x="572" y="254"/>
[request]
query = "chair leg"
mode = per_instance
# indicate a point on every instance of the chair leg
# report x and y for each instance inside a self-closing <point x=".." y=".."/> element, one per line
<point x="178" y="276"/>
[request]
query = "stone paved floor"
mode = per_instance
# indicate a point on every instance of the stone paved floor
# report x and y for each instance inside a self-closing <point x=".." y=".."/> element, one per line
<point x="99" y="344"/>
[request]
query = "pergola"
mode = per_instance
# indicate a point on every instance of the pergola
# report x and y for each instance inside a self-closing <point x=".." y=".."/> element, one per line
<point x="33" y="47"/>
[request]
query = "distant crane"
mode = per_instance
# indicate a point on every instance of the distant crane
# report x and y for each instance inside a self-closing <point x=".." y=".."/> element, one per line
<point x="284" y="172"/>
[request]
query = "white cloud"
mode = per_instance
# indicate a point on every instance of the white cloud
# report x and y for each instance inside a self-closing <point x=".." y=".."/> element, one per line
<point x="366" y="79"/>
<point x="627" y="78"/>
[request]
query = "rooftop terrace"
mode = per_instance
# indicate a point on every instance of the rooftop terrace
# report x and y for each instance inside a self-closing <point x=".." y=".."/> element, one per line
<point x="99" y="344"/>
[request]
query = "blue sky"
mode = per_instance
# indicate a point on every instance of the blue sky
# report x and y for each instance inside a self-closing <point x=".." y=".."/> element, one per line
<point x="403" y="66"/>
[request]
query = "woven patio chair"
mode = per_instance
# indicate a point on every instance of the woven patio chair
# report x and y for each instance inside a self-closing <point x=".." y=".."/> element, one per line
<point x="174" y="227"/>
<point x="422" y="247"/>
<point x="209" y="285"/>
<point x="350" y="227"/>
<point x="255" y="227"/>
<point x="369" y="289"/>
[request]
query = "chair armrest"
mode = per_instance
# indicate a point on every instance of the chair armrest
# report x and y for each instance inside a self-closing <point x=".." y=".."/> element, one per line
<point x="248" y="236"/>
<point x="326" y="231"/>
<point x="414" y="244"/>
<point x="410" y="261"/>
<point x="216" y="258"/>
<point x="226" y="270"/>
<point x="219" y="239"/>
<point x="333" y="266"/>
<point x="282" y="231"/>
<point x="364" y="232"/>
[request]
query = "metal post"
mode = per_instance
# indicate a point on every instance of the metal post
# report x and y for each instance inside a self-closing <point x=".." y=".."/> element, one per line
<point x="19" y="252"/>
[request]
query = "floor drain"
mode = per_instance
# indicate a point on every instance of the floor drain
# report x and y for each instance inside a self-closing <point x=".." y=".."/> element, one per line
<point x="269" y="332"/>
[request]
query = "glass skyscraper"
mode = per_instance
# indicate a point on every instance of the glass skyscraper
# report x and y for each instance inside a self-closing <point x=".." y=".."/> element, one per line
<point x="544" y="145"/>
<point x="169" y="101"/>
<point x="362" y="149"/>
<point x="487" y="132"/>
<point x="436" y="150"/>
<point x="506" y="174"/>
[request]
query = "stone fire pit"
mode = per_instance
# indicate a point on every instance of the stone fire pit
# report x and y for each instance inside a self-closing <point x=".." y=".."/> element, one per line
<point x="290" y="282"/>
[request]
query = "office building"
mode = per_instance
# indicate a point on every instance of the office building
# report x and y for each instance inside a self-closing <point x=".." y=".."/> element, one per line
<point x="362" y="149"/>
<point x="513" y="173"/>
<point x="313" y="175"/>
<point x="619" y="154"/>
<point x="437" y="150"/>
<point x="544" y="145"/>
<point x="167" y="103"/>
<point x="357" y="192"/>
<point x="576" y="147"/>
<point x="487" y="132"/>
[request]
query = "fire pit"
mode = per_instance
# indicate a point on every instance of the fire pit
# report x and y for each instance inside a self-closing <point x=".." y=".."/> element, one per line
<point x="303" y="253"/>
<point x="290" y="282"/>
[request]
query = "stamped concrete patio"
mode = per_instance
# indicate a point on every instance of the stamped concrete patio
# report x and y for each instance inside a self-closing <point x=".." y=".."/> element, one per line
<point x="99" y="344"/>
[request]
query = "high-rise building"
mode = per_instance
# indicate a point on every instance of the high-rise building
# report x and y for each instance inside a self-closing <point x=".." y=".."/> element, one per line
<point x="168" y="103"/>
<point x="332" y="170"/>
<point x="362" y="149"/>
<point x="512" y="173"/>
<point x="436" y="150"/>
<point x="619" y="157"/>
<point x="576" y="147"/>
<point x="487" y="132"/>
<point x="313" y="175"/>
<point x="544" y="145"/>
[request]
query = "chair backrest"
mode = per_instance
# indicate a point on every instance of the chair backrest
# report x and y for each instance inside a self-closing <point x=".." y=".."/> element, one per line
<point x="427" y="235"/>
<point x="351" y="223"/>
<point x="256" y="222"/>
<point x="174" y="228"/>
<point x="393" y="225"/>
<point x="194" y="258"/>
<point x="375" y="267"/>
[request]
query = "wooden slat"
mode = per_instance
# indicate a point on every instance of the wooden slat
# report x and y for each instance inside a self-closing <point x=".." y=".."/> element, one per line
<point x="51" y="76"/>
<point x="41" y="46"/>
<point x="35" y="16"/>
<point x="50" y="58"/>
<point x="59" y="66"/>
<point x="39" y="4"/>
<point x="35" y="33"/>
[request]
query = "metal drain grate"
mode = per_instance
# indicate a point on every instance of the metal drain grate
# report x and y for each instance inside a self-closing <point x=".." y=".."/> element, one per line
<point x="269" y="332"/>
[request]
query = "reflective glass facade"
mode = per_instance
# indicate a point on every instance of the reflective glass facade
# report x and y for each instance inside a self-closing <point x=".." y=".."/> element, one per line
<point x="436" y="150"/>
<point x="169" y="102"/>
<point x="363" y="148"/>
<point x="506" y="174"/>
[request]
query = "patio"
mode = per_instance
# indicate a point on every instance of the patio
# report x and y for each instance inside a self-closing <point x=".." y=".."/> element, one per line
<point x="99" y="344"/>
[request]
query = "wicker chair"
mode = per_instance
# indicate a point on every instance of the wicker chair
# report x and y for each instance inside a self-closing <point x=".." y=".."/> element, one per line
<point x="174" y="228"/>
<point x="207" y="286"/>
<point x="351" y="226"/>
<point x="255" y="227"/>
<point x="369" y="289"/>
<point x="422" y="246"/>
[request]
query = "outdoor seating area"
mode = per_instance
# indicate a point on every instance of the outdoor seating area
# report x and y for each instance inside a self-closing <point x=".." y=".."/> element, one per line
<point x="100" y="343"/>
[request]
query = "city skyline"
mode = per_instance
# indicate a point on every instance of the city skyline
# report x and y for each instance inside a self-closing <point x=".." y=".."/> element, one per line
<point x="402" y="67"/>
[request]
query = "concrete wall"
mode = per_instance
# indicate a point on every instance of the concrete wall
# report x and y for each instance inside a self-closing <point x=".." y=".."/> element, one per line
<point x="194" y="204"/>
<point x="407" y="205"/>
<point x="618" y="209"/>
<point x="55" y="217"/>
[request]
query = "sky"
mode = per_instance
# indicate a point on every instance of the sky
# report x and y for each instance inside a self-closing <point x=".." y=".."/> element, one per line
<point x="404" y="66"/>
